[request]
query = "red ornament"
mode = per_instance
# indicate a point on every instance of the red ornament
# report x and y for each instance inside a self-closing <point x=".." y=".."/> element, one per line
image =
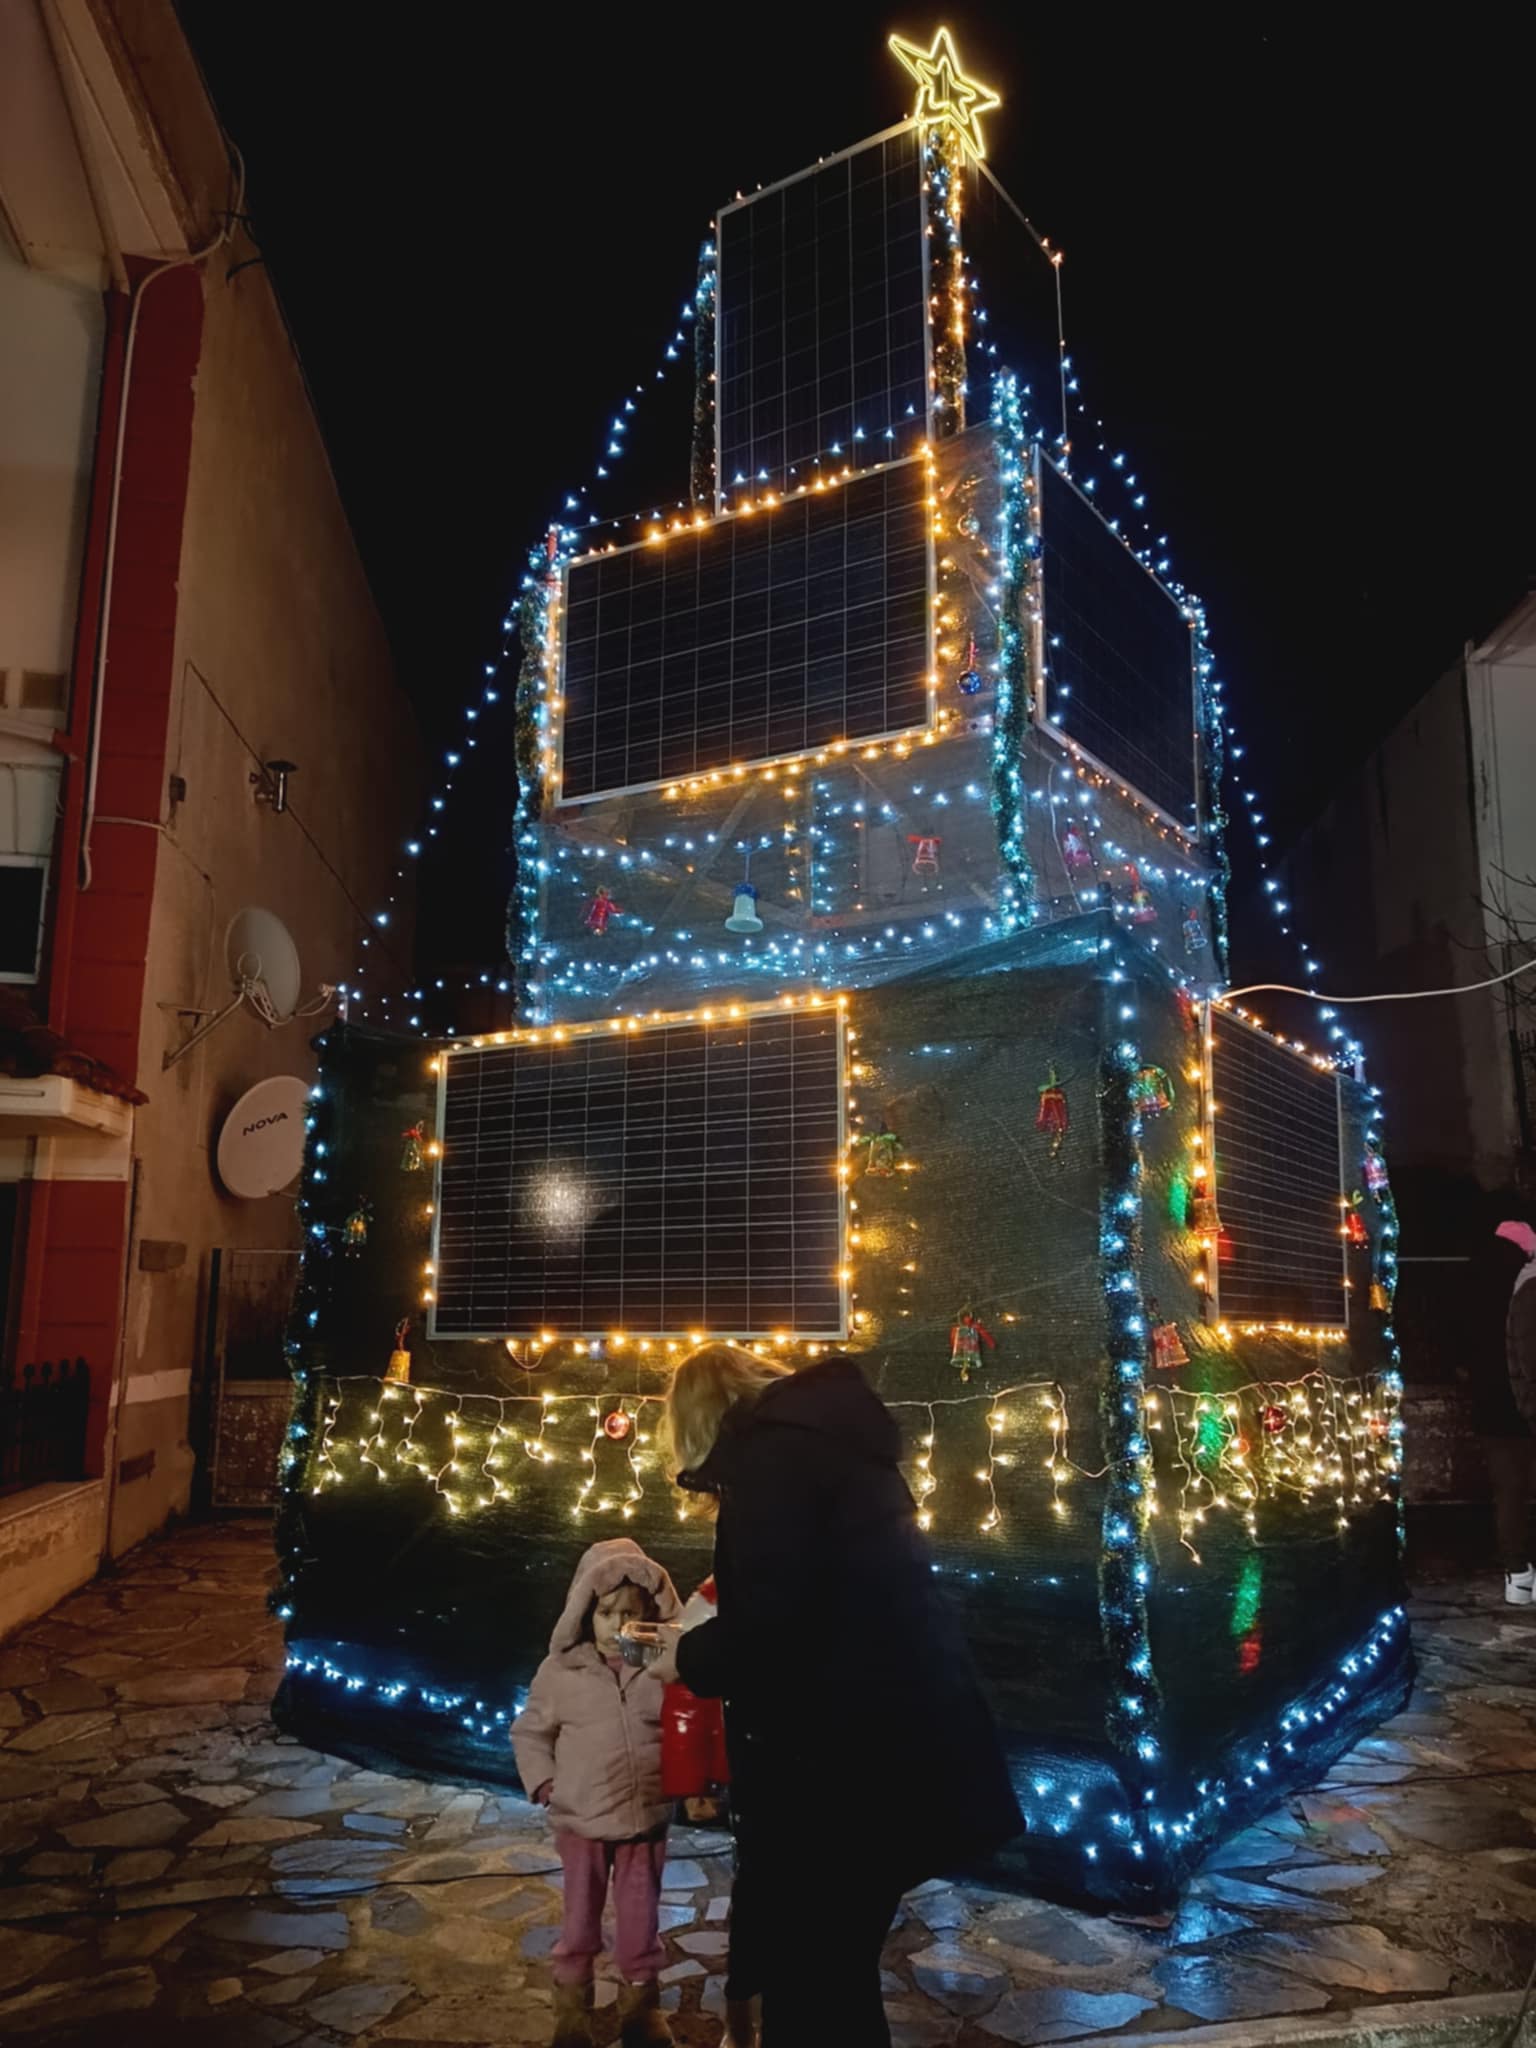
<point x="925" y="861"/>
<point x="1143" y="909"/>
<point x="1275" y="1420"/>
<point x="966" y="1337"/>
<point x="617" y="1425"/>
<point x="1052" y="1117"/>
<point x="599" y="911"/>
<point x="1240" y="1446"/>
<point x="1168" y="1347"/>
<point x="1075" y="851"/>
<point x="1354" y="1227"/>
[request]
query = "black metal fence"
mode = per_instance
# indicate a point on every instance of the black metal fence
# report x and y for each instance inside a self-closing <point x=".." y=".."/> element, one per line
<point x="43" y="1410"/>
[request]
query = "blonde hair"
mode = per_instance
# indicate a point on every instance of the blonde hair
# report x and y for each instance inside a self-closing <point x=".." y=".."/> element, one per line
<point x="706" y="1385"/>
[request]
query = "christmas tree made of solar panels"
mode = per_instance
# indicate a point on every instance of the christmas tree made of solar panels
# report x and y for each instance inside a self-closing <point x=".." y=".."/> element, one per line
<point x="870" y="912"/>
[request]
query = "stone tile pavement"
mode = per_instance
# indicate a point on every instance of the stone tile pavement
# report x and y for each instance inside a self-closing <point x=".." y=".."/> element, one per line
<point x="173" y="1872"/>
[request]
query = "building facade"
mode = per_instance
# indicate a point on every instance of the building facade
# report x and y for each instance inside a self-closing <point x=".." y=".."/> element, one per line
<point x="181" y="605"/>
<point x="1421" y="874"/>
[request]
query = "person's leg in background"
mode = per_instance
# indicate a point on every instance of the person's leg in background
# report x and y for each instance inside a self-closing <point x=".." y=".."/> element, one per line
<point x="822" y="1965"/>
<point x="1510" y="1461"/>
<point x="743" y="1963"/>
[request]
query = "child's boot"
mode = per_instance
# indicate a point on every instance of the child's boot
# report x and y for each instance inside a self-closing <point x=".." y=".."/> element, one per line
<point x="573" y="2016"/>
<point x="742" y="2027"/>
<point x="644" y="2024"/>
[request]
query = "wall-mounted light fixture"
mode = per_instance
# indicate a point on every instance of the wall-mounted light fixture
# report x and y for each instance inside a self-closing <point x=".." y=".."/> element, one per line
<point x="270" y="782"/>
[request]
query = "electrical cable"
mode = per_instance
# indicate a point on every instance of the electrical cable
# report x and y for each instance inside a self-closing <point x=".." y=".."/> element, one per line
<point x="1402" y="995"/>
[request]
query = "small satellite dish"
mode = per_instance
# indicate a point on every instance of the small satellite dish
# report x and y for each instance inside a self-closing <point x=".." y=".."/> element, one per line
<point x="261" y="1147"/>
<point x="258" y="948"/>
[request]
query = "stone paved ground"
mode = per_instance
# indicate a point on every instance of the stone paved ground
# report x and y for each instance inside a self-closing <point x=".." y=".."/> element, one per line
<point x="173" y="1872"/>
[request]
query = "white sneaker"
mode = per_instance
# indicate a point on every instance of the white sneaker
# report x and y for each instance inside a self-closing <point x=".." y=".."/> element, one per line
<point x="1520" y="1587"/>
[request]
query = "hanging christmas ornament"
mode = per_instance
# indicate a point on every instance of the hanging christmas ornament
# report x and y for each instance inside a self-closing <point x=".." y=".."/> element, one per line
<point x="1203" y="1216"/>
<point x="1052" y="1117"/>
<point x="971" y="678"/>
<point x="1210" y="1437"/>
<point x="599" y="911"/>
<point x="1075" y="852"/>
<point x="744" y="917"/>
<point x="1151" y="1091"/>
<point x="1381" y="1301"/>
<point x="1194" y="932"/>
<point x="1354" y="1228"/>
<point x="617" y="1424"/>
<point x="400" y="1357"/>
<point x="1168" y="1351"/>
<point x="925" y="860"/>
<point x="1143" y="910"/>
<point x="966" y="1337"/>
<point x="1373" y="1168"/>
<point x="354" y="1232"/>
<point x="881" y="1152"/>
<point x="968" y="524"/>
<point x="412" y="1158"/>
<point x="1275" y="1420"/>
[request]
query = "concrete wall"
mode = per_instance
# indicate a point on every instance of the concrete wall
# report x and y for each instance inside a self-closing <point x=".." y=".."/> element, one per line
<point x="50" y="1543"/>
<point x="1391" y="879"/>
<point x="51" y="330"/>
<point x="278" y="653"/>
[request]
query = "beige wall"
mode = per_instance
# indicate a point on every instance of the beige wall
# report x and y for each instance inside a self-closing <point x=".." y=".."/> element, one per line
<point x="279" y="653"/>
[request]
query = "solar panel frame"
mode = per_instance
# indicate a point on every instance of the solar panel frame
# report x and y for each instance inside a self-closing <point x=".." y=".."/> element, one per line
<point x="873" y="608"/>
<point x="1276" y="1271"/>
<point x="723" y="471"/>
<point x="1187" y="825"/>
<point x="782" y="1206"/>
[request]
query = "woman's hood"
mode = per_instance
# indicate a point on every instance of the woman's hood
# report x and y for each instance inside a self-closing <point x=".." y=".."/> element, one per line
<point x="616" y="1562"/>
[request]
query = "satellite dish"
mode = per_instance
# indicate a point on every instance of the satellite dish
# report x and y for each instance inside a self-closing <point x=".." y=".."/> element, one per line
<point x="261" y="1147"/>
<point x="258" y="948"/>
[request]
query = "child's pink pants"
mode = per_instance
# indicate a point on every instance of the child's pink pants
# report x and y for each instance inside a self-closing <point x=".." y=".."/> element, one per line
<point x="636" y="1869"/>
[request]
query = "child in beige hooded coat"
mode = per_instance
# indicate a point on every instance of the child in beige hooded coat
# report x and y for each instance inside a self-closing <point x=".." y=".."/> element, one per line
<point x="588" y="1745"/>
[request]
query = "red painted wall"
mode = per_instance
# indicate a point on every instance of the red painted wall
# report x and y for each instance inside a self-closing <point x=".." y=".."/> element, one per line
<point x="76" y="1231"/>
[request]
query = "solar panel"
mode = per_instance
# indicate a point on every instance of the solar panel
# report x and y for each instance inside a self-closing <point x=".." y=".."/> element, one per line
<point x="753" y="638"/>
<point x="1015" y="312"/>
<point x="822" y="315"/>
<point x="1277" y="1156"/>
<point x="1119" y="660"/>
<point x="684" y="1176"/>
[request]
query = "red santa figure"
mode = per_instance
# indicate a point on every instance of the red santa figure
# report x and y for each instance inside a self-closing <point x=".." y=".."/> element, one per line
<point x="694" y="1767"/>
<point x="1075" y="851"/>
<point x="599" y="911"/>
<point x="925" y="859"/>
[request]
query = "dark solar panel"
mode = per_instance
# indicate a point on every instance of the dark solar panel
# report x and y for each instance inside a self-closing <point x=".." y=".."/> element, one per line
<point x="823" y="321"/>
<point x="1277" y="1179"/>
<point x="1119" y="664"/>
<point x="680" y="1177"/>
<point x="761" y="635"/>
<point x="1015" y="321"/>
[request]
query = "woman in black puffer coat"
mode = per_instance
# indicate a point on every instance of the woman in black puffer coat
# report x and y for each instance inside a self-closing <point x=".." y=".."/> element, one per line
<point x="863" y="1755"/>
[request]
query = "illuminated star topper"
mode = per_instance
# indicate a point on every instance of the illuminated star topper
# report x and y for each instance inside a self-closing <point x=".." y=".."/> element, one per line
<point x="944" y="93"/>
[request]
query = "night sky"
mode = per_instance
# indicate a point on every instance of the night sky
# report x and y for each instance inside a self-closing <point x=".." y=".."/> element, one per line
<point x="1295" y="251"/>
